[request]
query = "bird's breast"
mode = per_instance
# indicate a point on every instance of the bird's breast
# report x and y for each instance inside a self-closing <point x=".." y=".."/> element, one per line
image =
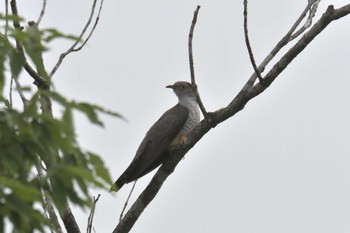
<point x="192" y="121"/>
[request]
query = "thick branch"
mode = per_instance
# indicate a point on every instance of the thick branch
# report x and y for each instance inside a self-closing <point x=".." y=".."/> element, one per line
<point x="69" y="221"/>
<point x="221" y="115"/>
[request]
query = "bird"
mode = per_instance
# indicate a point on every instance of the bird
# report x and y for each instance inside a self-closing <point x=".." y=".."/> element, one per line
<point x="166" y="135"/>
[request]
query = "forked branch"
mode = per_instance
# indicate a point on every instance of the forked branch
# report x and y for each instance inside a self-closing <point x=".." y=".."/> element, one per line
<point x="283" y="42"/>
<point x="75" y="47"/>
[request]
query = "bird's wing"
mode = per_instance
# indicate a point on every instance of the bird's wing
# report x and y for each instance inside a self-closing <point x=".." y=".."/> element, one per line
<point x="153" y="148"/>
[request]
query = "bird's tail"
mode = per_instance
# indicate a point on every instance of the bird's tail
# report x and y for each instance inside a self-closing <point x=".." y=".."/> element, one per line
<point x="118" y="184"/>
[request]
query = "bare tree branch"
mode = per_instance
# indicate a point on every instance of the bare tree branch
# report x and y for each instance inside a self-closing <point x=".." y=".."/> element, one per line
<point x="93" y="28"/>
<point x="278" y="46"/>
<point x="308" y="22"/>
<point x="42" y="12"/>
<point x="74" y="48"/>
<point x="127" y="200"/>
<point x="48" y="202"/>
<point x="91" y="215"/>
<point x="190" y="54"/>
<point x="223" y="114"/>
<point x="69" y="221"/>
<point x="19" y="90"/>
<point x="246" y="37"/>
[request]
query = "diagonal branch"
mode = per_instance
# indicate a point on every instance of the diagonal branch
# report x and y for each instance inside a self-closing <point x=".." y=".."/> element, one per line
<point x="127" y="201"/>
<point x="69" y="221"/>
<point x="221" y="115"/>
<point x="308" y="23"/>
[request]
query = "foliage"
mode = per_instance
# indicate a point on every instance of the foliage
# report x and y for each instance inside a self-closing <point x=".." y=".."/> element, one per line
<point x="38" y="152"/>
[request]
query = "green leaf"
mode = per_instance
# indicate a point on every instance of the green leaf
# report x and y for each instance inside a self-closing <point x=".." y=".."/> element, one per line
<point x="67" y="118"/>
<point x="51" y="33"/>
<point x="90" y="111"/>
<point x="19" y="189"/>
<point x="101" y="169"/>
<point x="59" y="194"/>
<point x="23" y="216"/>
<point x="81" y="173"/>
<point x="30" y="40"/>
<point x="16" y="62"/>
<point x="11" y="17"/>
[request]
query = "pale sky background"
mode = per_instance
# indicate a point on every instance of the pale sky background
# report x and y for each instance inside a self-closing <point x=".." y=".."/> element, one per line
<point x="282" y="165"/>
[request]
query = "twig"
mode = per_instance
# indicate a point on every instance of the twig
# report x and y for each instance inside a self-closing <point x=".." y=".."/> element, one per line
<point x="93" y="28"/>
<point x="126" y="202"/>
<point x="278" y="47"/>
<point x="19" y="90"/>
<point x="11" y="88"/>
<point x="246" y="37"/>
<point x="48" y="202"/>
<point x="190" y="54"/>
<point x="75" y="44"/>
<point x="91" y="215"/>
<point x="42" y="13"/>
<point x="308" y="22"/>
<point x="6" y="14"/>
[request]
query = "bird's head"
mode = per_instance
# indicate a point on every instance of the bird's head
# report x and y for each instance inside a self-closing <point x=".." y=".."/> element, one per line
<point x="183" y="89"/>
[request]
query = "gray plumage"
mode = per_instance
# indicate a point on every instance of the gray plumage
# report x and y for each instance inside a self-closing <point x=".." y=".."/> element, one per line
<point x="165" y="135"/>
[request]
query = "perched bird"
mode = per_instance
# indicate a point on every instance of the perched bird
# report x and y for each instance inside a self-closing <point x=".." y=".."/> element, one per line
<point x="168" y="133"/>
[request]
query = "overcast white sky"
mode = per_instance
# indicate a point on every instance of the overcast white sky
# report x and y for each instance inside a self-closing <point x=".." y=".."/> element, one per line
<point x="281" y="165"/>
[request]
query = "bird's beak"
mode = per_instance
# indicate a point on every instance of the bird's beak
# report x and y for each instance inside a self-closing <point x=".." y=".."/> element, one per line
<point x="170" y="86"/>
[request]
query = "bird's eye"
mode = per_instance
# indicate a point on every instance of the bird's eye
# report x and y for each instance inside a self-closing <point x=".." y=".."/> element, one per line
<point x="183" y="86"/>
